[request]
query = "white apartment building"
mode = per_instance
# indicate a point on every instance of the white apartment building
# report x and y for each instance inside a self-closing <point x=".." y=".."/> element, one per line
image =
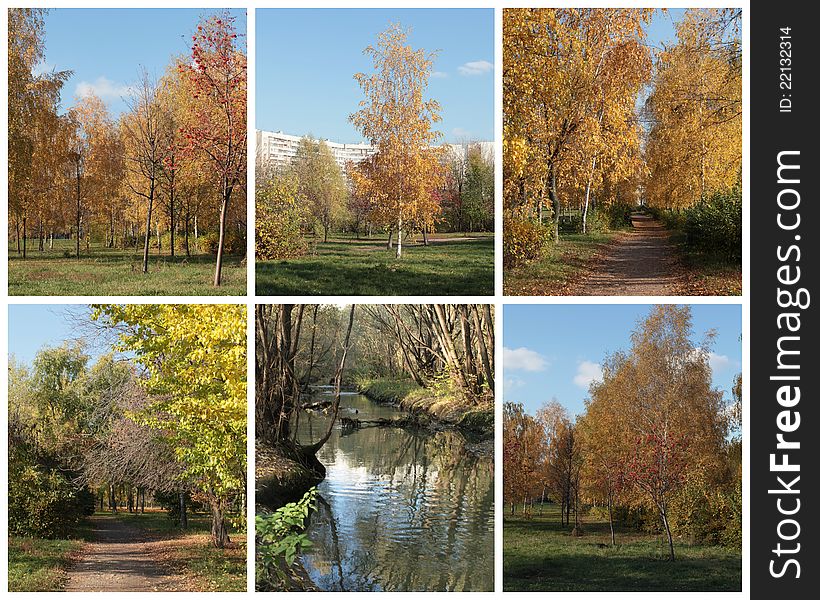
<point x="279" y="149"/>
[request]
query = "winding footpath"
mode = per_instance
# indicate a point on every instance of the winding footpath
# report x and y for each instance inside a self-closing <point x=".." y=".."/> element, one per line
<point x="120" y="559"/>
<point x="642" y="263"/>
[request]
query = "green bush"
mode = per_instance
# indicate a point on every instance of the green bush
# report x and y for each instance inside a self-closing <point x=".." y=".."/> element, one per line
<point x="235" y="242"/>
<point x="619" y="215"/>
<point x="715" y="225"/>
<point x="281" y="536"/>
<point x="707" y="514"/>
<point x="280" y="219"/>
<point x="44" y="503"/>
<point x="525" y="240"/>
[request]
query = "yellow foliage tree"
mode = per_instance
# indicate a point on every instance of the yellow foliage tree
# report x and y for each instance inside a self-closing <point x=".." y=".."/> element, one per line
<point x="402" y="177"/>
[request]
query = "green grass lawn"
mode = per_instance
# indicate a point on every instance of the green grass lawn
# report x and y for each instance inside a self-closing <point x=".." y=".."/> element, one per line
<point x="562" y="266"/>
<point x="37" y="565"/>
<point x="367" y="268"/>
<point x="540" y="555"/>
<point x="116" y="272"/>
<point x="212" y="569"/>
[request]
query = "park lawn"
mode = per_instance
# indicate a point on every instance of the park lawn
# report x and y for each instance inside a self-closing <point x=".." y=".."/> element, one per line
<point x="117" y="272"/>
<point x="38" y="565"/>
<point x="209" y="569"/>
<point x="349" y="267"/>
<point x="561" y="268"/>
<point x="540" y="555"/>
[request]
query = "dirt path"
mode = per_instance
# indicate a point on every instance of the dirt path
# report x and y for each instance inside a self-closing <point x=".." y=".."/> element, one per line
<point x="120" y="559"/>
<point x="642" y="263"/>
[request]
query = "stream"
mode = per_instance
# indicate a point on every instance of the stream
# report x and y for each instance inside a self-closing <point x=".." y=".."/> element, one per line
<point x="398" y="510"/>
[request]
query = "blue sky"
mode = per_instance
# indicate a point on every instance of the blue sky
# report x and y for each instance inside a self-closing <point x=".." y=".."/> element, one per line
<point x="662" y="28"/>
<point x="105" y="48"/>
<point x="306" y="59"/>
<point x="34" y="326"/>
<point x="554" y="351"/>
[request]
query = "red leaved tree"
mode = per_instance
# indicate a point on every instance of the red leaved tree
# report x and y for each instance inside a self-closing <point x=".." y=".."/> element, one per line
<point x="658" y="468"/>
<point x="218" y="73"/>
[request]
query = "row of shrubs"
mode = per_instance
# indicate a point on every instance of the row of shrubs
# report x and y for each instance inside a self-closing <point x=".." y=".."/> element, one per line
<point x="526" y="240"/>
<point x="599" y="219"/>
<point x="699" y="513"/>
<point x="713" y="226"/>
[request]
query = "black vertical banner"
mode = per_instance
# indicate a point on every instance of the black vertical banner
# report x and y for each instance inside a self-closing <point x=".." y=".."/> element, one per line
<point x="784" y="396"/>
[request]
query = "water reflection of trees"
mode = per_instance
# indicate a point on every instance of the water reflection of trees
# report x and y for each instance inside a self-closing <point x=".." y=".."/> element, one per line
<point x="403" y="511"/>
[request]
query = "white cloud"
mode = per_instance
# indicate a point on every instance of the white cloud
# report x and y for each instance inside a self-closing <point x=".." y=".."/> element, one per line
<point x="459" y="132"/>
<point x="43" y="67"/>
<point x="104" y="88"/>
<point x="439" y="75"/>
<point x="476" y="67"/>
<point x="513" y="383"/>
<point x="587" y="373"/>
<point x="719" y="362"/>
<point x="523" y="359"/>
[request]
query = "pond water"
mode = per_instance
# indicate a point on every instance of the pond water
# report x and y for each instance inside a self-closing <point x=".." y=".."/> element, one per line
<point x="399" y="510"/>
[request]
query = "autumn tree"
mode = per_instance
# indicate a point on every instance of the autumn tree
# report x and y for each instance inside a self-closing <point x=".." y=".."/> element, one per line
<point x="33" y="121"/>
<point x="694" y="111"/>
<point x="218" y="77"/>
<point x="321" y="183"/>
<point x="571" y="81"/>
<point x="194" y="357"/>
<point x="400" y="178"/>
<point x="524" y="454"/>
<point x="146" y="143"/>
<point x="659" y="400"/>
<point x="96" y="154"/>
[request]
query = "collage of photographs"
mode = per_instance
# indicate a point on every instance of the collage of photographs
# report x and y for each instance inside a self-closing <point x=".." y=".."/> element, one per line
<point x="368" y="298"/>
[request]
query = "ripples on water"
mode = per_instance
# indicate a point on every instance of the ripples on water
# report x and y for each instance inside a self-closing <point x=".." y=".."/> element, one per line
<point x="399" y="510"/>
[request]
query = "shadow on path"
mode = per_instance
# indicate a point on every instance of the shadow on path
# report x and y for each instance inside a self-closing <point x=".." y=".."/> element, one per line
<point x="642" y="263"/>
<point x="120" y="559"/>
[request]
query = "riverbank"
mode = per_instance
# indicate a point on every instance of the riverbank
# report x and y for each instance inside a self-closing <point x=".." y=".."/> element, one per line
<point x="436" y="408"/>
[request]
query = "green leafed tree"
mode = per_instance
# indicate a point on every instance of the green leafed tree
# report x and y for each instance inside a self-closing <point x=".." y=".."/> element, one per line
<point x="194" y="357"/>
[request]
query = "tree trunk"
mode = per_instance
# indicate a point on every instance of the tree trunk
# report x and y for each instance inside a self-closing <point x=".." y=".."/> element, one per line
<point x="390" y="239"/>
<point x="556" y="202"/>
<point x="25" y="222"/>
<point x="219" y="525"/>
<point x="148" y="229"/>
<point x="17" y="231"/>
<point x="187" y="236"/>
<point x="183" y="511"/>
<point x="668" y="535"/>
<point x="611" y="524"/>
<point x="173" y="223"/>
<point x="223" y="215"/>
<point x="398" y="239"/>
<point x="586" y="199"/>
<point x="196" y="234"/>
<point x="78" y="211"/>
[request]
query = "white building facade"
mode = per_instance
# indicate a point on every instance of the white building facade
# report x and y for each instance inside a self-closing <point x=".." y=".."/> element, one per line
<point x="277" y="149"/>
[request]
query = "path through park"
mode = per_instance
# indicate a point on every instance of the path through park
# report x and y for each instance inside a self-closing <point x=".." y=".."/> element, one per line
<point x="642" y="263"/>
<point x="120" y="559"/>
